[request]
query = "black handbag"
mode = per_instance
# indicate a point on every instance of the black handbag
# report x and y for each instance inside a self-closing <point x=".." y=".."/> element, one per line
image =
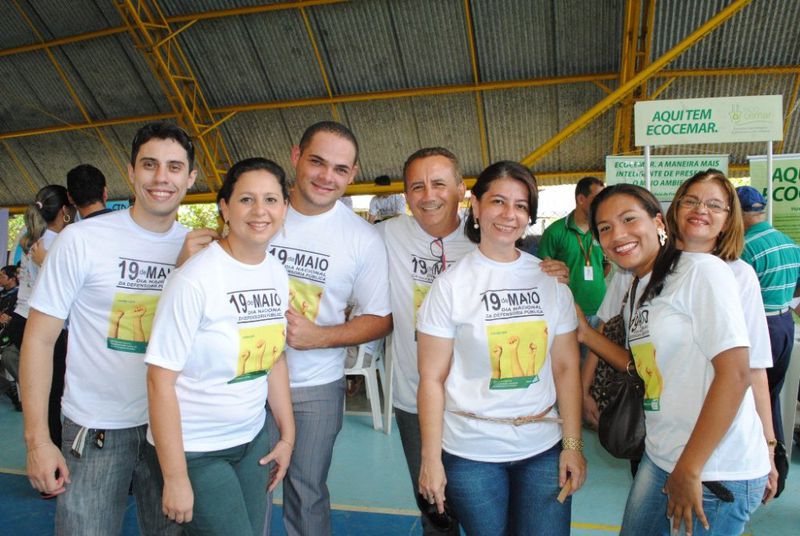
<point x="621" y="426"/>
<point x="604" y="383"/>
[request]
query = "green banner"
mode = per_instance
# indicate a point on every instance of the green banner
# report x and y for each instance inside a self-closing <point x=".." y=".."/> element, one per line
<point x="718" y="120"/>
<point x="785" y="190"/>
<point x="666" y="172"/>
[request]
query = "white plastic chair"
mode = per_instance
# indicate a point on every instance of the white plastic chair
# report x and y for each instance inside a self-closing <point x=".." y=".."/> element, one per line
<point x="370" y="374"/>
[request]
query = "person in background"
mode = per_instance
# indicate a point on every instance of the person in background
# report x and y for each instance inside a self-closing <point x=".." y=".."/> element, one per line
<point x="706" y="461"/>
<point x="215" y="356"/>
<point x="497" y="350"/>
<point x="332" y="257"/>
<point x="49" y="214"/>
<point x="106" y="275"/>
<point x="385" y="206"/>
<point x="776" y="260"/>
<point x="8" y="300"/>
<point x="86" y="186"/>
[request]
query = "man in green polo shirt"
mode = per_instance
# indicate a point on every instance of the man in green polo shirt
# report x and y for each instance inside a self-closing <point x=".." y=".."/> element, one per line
<point x="569" y="240"/>
<point x="776" y="260"/>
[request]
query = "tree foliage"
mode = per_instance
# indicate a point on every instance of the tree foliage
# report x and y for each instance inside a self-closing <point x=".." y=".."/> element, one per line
<point x="198" y="215"/>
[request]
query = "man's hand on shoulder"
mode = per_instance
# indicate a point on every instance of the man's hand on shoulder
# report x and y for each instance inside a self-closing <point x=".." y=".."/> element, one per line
<point x="555" y="268"/>
<point x="195" y="241"/>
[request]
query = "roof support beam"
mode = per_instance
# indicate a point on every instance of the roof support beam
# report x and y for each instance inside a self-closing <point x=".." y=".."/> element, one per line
<point x="625" y="89"/>
<point x="152" y="34"/>
<point x="218" y="14"/>
<point x="320" y="63"/>
<point x="630" y="49"/>
<point x="473" y="60"/>
<point x="112" y="153"/>
<point x="791" y="108"/>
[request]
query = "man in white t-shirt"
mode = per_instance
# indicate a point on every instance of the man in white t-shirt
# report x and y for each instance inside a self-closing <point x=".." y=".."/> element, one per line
<point x="332" y="256"/>
<point x="106" y="275"/>
<point x="419" y="249"/>
<point x="385" y="206"/>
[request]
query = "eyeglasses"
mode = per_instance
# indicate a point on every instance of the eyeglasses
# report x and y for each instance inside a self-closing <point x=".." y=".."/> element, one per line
<point x="714" y="205"/>
<point x="437" y="251"/>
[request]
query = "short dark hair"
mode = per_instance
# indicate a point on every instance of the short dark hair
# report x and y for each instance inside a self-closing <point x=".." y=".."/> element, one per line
<point x="85" y="184"/>
<point x="501" y="170"/>
<point x="11" y="271"/>
<point x="251" y="164"/>
<point x="432" y="151"/>
<point x="584" y="186"/>
<point x="332" y="127"/>
<point x="162" y="131"/>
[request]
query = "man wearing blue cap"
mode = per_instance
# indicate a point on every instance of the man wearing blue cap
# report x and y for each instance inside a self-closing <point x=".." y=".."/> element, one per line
<point x="776" y="259"/>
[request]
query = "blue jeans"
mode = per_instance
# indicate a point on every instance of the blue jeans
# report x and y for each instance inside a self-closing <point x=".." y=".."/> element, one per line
<point x="408" y="426"/>
<point x="95" y="500"/>
<point x="646" y="509"/>
<point x="230" y="489"/>
<point x="497" y="499"/>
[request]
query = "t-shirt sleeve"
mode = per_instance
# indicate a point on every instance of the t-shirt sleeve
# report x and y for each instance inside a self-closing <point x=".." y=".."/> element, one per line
<point x="435" y="315"/>
<point x="547" y="246"/>
<point x="753" y="308"/>
<point x="567" y="317"/>
<point x="612" y="300"/>
<point x="177" y="320"/>
<point x="371" y="286"/>
<point x="717" y="312"/>
<point x="374" y="206"/>
<point x="62" y="276"/>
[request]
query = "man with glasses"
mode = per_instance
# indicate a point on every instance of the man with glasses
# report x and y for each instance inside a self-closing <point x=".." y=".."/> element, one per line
<point x="105" y="274"/>
<point x="420" y="247"/>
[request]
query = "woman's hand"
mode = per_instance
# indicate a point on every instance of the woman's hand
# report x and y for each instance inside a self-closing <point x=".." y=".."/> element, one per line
<point x="591" y="413"/>
<point x="684" y="494"/>
<point x="38" y="253"/>
<point x="281" y="455"/>
<point x="432" y="482"/>
<point x="572" y="467"/>
<point x="178" y="499"/>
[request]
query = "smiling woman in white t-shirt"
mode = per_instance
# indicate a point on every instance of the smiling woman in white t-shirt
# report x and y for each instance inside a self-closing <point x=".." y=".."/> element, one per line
<point x="705" y="462"/>
<point x="497" y="350"/>
<point x="215" y="356"/>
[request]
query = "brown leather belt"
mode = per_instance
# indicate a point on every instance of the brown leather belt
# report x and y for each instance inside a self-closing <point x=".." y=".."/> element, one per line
<point x="515" y="421"/>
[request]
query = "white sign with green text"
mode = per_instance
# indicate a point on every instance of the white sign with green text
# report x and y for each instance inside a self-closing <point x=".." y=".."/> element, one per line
<point x="785" y="190"/>
<point x="666" y="172"/>
<point x="718" y="120"/>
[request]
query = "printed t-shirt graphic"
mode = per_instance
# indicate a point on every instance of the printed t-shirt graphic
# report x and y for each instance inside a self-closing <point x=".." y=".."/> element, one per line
<point x="260" y="346"/>
<point x="307" y="275"/>
<point x="644" y="355"/>
<point x="516" y="350"/>
<point x="424" y="269"/>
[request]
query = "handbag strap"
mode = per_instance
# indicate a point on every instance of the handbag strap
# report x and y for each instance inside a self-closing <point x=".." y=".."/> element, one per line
<point x="632" y="290"/>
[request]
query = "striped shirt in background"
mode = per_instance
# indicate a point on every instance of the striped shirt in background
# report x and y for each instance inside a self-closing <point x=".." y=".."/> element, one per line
<point x="776" y="259"/>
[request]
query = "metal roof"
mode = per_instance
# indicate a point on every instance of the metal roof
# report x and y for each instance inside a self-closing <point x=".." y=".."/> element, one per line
<point x="490" y="79"/>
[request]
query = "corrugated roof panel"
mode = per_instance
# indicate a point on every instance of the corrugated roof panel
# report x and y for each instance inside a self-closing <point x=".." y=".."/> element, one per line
<point x="588" y="147"/>
<point x="358" y="42"/>
<point x="448" y="121"/>
<point x="519" y="120"/>
<point x="35" y="93"/>
<point x="111" y="83"/>
<point x="728" y="86"/>
<point x="261" y="133"/>
<point x="588" y="36"/>
<point x="14" y="32"/>
<point x="16" y="188"/>
<point x="432" y="39"/>
<point x="182" y="7"/>
<point x="515" y="39"/>
<point x="256" y="58"/>
<point x="54" y="19"/>
<point x="763" y="33"/>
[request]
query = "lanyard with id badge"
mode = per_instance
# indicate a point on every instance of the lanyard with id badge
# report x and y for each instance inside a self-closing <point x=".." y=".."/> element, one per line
<point x="588" y="269"/>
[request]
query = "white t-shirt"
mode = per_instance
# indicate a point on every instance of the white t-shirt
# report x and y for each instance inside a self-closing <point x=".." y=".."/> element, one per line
<point x="28" y="271"/>
<point x="412" y="269"/>
<point x="382" y="207"/>
<point x="749" y="294"/>
<point x="674" y="338"/>
<point x="221" y="324"/>
<point x="330" y="258"/>
<point x="106" y="274"/>
<point x="503" y="318"/>
<point x="754" y="318"/>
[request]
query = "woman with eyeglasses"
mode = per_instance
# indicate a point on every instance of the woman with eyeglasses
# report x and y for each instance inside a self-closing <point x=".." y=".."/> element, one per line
<point x="705" y="217"/>
<point x="497" y="351"/>
<point x="216" y="356"/>
<point x="705" y="461"/>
